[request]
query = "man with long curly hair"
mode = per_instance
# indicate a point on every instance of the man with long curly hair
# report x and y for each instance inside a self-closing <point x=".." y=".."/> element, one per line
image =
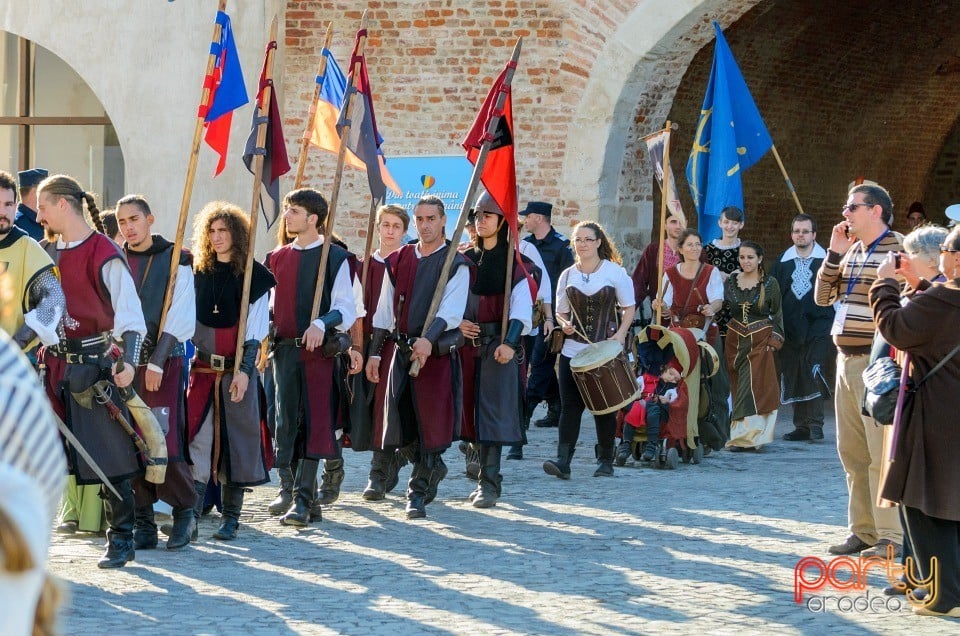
<point x="223" y="407"/>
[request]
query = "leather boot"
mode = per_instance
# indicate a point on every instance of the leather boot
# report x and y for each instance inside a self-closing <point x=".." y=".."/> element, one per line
<point x="398" y="460"/>
<point x="120" y="514"/>
<point x="376" y="488"/>
<point x="284" y="495"/>
<point x="417" y="489"/>
<point x="144" y="528"/>
<point x="472" y="460"/>
<point x="552" y="419"/>
<point x="304" y="492"/>
<point x="560" y="467"/>
<point x="438" y="471"/>
<point x="232" y="497"/>
<point x="490" y="477"/>
<point x="200" y="490"/>
<point x="625" y="449"/>
<point x="604" y="461"/>
<point x="333" y="474"/>
<point x="184" y="528"/>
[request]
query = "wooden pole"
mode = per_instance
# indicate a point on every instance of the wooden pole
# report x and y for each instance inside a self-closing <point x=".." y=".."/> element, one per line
<point x="664" y="193"/>
<point x="188" y="185"/>
<point x="335" y="190"/>
<point x="467" y="200"/>
<point x="786" y="177"/>
<point x="262" y="106"/>
<point x="312" y="113"/>
<point x="507" y="287"/>
<point x="368" y="246"/>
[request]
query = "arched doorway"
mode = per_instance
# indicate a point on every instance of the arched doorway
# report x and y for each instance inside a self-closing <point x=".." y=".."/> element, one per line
<point x="51" y="118"/>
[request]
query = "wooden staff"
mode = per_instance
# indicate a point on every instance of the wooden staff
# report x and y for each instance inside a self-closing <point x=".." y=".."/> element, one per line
<point x="507" y="287"/>
<point x="467" y="200"/>
<point x="262" y="106"/>
<point x="191" y="175"/>
<point x="664" y="193"/>
<point x="337" y="177"/>
<point x="786" y="177"/>
<point x="312" y="113"/>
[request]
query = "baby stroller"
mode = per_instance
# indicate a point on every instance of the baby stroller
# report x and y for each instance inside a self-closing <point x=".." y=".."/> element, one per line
<point x="679" y="437"/>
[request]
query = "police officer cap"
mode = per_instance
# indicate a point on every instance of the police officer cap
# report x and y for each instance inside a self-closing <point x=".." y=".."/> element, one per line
<point x="537" y="207"/>
<point x="31" y="177"/>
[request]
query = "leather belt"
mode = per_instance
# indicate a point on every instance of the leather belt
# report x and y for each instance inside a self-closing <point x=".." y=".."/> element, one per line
<point x="81" y="345"/>
<point x="77" y="358"/>
<point x="288" y="342"/>
<point x="217" y="363"/>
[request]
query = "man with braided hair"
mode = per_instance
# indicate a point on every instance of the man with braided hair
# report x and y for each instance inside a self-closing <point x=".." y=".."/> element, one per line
<point x="38" y="298"/>
<point x="102" y="306"/>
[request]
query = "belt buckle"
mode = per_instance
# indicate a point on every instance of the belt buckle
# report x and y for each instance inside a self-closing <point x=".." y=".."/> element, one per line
<point x="218" y="363"/>
<point x="72" y="358"/>
<point x="298" y="343"/>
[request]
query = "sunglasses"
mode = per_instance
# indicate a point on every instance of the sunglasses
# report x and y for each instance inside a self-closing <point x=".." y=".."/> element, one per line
<point x="853" y="206"/>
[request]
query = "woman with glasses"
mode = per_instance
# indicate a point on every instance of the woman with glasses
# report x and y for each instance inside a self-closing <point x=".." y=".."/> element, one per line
<point x="692" y="290"/>
<point x="754" y="332"/>
<point x="924" y="475"/>
<point x="595" y="302"/>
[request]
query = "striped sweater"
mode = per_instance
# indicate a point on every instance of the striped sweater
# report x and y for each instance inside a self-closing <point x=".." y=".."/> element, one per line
<point x="833" y="280"/>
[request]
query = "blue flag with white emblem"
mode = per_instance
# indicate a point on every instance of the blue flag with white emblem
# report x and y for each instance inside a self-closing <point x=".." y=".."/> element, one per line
<point x="730" y="137"/>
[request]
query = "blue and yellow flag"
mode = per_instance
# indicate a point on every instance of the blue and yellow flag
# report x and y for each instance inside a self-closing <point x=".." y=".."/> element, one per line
<point x="730" y="137"/>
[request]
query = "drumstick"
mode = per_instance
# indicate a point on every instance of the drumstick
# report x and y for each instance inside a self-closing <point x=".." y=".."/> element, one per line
<point x="575" y="330"/>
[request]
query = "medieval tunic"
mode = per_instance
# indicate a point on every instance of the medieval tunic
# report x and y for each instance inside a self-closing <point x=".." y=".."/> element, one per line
<point x="688" y="296"/>
<point x="495" y="390"/>
<point x="645" y="283"/>
<point x="232" y="444"/>
<point x="806" y="328"/>
<point x="374" y="395"/>
<point x="151" y="272"/>
<point x="101" y="300"/>
<point x="427" y="408"/>
<point x="39" y="297"/>
<point x="308" y="395"/>
<point x="756" y="322"/>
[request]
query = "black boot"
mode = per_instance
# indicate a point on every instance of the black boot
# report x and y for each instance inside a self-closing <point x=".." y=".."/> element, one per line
<point x="304" y="491"/>
<point x="398" y="460"/>
<point x="604" y="461"/>
<point x="333" y="474"/>
<point x="552" y="418"/>
<point x="376" y="488"/>
<point x="651" y="448"/>
<point x="184" y="528"/>
<point x="200" y="491"/>
<point x="284" y="495"/>
<point x="490" y="477"/>
<point x="472" y="460"/>
<point x="144" y="528"/>
<point x="438" y="471"/>
<point x="625" y="450"/>
<point x="417" y="489"/>
<point x="232" y="497"/>
<point x="516" y="450"/>
<point x="120" y="514"/>
<point x="560" y="467"/>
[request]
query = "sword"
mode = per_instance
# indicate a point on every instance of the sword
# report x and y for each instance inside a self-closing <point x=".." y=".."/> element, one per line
<point x="77" y="446"/>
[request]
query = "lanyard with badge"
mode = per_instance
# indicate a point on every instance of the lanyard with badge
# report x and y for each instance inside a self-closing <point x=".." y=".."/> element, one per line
<point x="840" y="317"/>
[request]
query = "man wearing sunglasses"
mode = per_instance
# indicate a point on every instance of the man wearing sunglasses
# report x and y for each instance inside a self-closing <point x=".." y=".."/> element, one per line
<point x="858" y="245"/>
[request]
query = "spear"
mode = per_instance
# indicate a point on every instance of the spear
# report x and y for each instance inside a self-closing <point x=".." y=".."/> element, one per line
<point x="191" y="175"/>
<point x="262" y="106"/>
<point x="468" y="198"/>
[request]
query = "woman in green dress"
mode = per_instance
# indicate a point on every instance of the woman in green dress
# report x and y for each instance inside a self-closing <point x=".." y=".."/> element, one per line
<point x="754" y="332"/>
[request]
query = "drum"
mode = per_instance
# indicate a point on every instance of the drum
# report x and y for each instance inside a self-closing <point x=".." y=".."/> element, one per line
<point x="604" y="377"/>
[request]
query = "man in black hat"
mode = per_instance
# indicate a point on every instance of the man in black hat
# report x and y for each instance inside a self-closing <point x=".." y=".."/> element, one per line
<point x="557" y="256"/>
<point x="26" y="218"/>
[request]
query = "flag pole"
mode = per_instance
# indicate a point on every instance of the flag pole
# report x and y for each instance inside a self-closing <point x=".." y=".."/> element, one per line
<point x="786" y="177"/>
<point x="507" y="286"/>
<point x="468" y="199"/>
<point x="312" y="113"/>
<point x="338" y="176"/>
<point x="191" y="176"/>
<point x="262" y="105"/>
<point x="368" y="246"/>
<point x="664" y="193"/>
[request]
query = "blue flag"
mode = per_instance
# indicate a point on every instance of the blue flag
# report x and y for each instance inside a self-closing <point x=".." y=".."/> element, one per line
<point x="730" y="137"/>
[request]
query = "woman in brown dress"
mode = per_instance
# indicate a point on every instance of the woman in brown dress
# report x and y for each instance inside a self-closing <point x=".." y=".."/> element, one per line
<point x="692" y="290"/>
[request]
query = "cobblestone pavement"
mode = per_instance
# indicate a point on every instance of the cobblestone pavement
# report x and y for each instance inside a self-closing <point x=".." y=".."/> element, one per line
<point x="707" y="548"/>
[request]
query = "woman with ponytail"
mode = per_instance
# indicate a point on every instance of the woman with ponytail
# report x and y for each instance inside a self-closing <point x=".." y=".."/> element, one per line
<point x="754" y="332"/>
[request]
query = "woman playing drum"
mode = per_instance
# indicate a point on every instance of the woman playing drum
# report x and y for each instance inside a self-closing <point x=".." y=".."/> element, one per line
<point x="692" y="290"/>
<point x="754" y="332"/>
<point x="595" y="299"/>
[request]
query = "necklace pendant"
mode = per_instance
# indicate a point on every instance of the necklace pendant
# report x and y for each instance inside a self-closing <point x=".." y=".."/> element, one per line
<point x="215" y="310"/>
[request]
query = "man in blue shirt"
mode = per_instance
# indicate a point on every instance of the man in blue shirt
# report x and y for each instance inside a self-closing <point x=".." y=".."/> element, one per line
<point x="26" y="218"/>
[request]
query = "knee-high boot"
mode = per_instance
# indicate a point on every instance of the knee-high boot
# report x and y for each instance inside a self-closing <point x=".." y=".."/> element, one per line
<point x="285" y="494"/>
<point x="376" y="488"/>
<point x="120" y="517"/>
<point x="144" y="528"/>
<point x="490" y="477"/>
<point x="417" y="487"/>
<point x="333" y="475"/>
<point x="304" y="491"/>
<point x="232" y="497"/>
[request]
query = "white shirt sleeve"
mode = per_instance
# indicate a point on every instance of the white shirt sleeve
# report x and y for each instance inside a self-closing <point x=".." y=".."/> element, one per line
<point x="127" y="312"/>
<point x="562" y="306"/>
<point x="624" y="285"/>
<point x="545" y="293"/>
<point x="521" y="307"/>
<point x="361" y="311"/>
<point x="715" y="286"/>
<point x="258" y="319"/>
<point x="667" y="291"/>
<point x="342" y="299"/>
<point x="182" y="317"/>
<point x="383" y="317"/>
<point x="454" y="301"/>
